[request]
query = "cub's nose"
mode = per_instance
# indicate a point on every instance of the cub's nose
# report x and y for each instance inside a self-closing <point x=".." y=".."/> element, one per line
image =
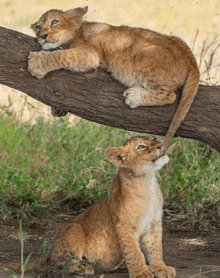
<point x="44" y="36"/>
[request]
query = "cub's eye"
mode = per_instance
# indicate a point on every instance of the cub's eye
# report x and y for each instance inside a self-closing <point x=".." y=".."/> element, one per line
<point x="54" y="22"/>
<point x="141" y="147"/>
<point x="38" y="26"/>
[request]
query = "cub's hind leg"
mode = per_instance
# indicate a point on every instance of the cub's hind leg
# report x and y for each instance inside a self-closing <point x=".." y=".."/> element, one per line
<point x="152" y="248"/>
<point x="138" y="96"/>
<point x="70" y="249"/>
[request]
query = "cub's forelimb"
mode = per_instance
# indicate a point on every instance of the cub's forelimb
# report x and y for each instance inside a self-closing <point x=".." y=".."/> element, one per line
<point x="132" y="253"/>
<point x="75" y="59"/>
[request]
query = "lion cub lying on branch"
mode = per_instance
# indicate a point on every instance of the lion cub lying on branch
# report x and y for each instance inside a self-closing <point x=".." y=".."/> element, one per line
<point x="126" y="224"/>
<point x="152" y="65"/>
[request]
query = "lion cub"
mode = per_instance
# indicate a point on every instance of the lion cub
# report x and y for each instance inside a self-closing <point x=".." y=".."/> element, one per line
<point x="152" y="65"/>
<point x="126" y="224"/>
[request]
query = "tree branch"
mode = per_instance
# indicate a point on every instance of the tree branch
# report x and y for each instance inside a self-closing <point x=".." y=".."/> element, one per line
<point x="97" y="97"/>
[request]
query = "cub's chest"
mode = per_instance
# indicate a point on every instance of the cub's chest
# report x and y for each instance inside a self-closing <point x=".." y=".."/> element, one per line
<point x="151" y="214"/>
<point x="152" y="210"/>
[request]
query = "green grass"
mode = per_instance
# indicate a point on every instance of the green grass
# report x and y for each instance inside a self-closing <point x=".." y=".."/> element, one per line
<point x="193" y="175"/>
<point x="45" y="163"/>
<point x="42" y="165"/>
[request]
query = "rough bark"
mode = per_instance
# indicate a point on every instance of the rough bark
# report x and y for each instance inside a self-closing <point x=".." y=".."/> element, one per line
<point x="97" y="97"/>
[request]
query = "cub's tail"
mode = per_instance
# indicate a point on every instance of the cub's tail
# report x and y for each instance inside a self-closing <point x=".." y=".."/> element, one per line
<point x="189" y="92"/>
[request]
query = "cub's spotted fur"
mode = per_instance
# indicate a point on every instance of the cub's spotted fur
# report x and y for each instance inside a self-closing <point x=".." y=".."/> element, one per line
<point x="152" y="65"/>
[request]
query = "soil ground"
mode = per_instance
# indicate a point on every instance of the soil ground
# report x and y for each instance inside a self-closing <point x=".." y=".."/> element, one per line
<point x="194" y="253"/>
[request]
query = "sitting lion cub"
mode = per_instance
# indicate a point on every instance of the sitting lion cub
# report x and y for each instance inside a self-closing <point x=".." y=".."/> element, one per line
<point x="126" y="224"/>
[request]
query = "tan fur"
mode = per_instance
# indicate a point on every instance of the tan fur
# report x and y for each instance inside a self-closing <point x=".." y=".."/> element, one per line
<point x="126" y="224"/>
<point x="152" y="65"/>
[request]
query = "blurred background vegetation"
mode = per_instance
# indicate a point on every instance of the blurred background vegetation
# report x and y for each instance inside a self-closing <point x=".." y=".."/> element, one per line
<point x="51" y="165"/>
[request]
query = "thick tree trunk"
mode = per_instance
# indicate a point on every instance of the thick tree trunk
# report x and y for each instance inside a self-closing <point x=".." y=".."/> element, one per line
<point x="97" y="97"/>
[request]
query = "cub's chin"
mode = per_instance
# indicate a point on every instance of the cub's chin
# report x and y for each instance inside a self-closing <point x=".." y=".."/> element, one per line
<point x="162" y="160"/>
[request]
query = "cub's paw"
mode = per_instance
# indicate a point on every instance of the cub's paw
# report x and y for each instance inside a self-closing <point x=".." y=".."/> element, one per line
<point x="163" y="271"/>
<point x="82" y="270"/>
<point x="133" y="97"/>
<point x="36" y="65"/>
<point x="146" y="274"/>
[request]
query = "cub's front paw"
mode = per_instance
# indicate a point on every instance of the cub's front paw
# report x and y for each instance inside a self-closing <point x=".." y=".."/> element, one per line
<point x="36" y="64"/>
<point x="163" y="271"/>
<point x="133" y="97"/>
<point x="146" y="274"/>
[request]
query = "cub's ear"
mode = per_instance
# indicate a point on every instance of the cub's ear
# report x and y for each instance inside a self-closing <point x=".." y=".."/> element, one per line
<point x="116" y="156"/>
<point x="76" y="13"/>
<point x="33" y="26"/>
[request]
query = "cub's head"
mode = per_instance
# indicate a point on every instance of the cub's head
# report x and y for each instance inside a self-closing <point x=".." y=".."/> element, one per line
<point x="56" y="27"/>
<point x="140" y="154"/>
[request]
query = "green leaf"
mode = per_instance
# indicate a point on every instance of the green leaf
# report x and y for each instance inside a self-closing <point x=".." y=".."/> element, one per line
<point x="26" y="261"/>
<point x="21" y="234"/>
